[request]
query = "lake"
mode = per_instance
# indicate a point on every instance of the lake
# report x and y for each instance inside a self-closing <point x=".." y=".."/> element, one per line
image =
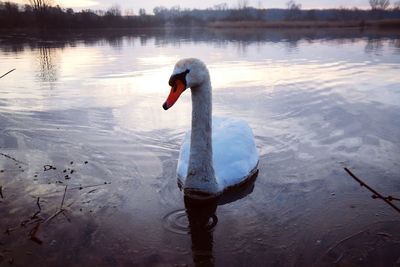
<point x="83" y="129"/>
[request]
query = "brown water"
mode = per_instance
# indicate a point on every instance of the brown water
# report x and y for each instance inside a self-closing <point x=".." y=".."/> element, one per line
<point x="90" y="104"/>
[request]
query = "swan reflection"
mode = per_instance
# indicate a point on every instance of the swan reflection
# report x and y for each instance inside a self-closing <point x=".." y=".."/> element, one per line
<point x="203" y="219"/>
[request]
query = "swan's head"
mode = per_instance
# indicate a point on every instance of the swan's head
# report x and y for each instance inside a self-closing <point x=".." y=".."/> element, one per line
<point x="188" y="73"/>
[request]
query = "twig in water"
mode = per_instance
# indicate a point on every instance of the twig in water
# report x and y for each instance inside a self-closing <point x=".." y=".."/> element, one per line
<point x="61" y="210"/>
<point x="384" y="234"/>
<point x="376" y="194"/>
<point x="390" y="198"/>
<point x="88" y="186"/>
<point x="53" y="216"/>
<point x="38" y="204"/>
<point x="1" y="191"/>
<point x="11" y="229"/>
<point x="35" y="215"/>
<point x="62" y="201"/>
<point x="6" y="73"/>
<point x="338" y="244"/>
<point x="339" y="258"/>
<point x="12" y="158"/>
<point x="65" y="215"/>
<point x="33" y="232"/>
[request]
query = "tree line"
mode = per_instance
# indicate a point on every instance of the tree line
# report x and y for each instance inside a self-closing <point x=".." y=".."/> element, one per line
<point x="42" y="14"/>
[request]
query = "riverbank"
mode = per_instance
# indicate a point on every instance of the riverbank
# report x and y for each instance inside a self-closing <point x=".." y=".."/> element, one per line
<point x="387" y="23"/>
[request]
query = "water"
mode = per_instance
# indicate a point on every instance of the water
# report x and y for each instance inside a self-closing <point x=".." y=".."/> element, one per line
<point x="90" y="104"/>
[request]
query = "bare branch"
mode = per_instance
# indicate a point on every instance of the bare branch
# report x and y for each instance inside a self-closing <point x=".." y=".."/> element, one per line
<point x="40" y="5"/>
<point x="379" y="4"/>
<point x="6" y="73"/>
<point x="376" y="193"/>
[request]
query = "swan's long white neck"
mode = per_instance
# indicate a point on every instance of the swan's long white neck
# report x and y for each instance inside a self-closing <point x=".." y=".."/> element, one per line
<point x="200" y="175"/>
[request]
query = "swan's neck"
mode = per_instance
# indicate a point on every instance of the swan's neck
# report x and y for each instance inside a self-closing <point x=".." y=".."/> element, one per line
<point x="200" y="170"/>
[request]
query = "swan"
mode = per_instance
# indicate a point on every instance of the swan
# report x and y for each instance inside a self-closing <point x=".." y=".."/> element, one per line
<point x="217" y="153"/>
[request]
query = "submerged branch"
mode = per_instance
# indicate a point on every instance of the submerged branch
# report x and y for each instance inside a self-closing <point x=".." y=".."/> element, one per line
<point x="376" y="193"/>
<point x="6" y="73"/>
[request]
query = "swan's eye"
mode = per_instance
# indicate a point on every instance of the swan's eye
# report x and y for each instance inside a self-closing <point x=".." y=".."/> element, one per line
<point x="179" y="76"/>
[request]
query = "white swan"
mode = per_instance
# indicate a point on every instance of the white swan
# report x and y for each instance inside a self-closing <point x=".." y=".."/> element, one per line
<point x="215" y="154"/>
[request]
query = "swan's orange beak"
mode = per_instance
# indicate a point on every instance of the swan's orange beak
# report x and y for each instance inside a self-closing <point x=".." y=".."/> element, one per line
<point x="176" y="90"/>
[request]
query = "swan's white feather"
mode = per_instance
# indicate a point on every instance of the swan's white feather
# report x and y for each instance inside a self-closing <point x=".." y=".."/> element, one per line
<point x="234" y="152"/>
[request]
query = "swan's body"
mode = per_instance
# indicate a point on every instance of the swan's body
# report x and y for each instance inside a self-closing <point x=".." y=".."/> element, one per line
<point x="235" y="155"/>
<point x="218" y="155"/>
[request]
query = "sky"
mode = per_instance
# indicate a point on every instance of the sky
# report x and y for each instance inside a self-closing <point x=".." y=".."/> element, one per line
<point x="148" y="5"/>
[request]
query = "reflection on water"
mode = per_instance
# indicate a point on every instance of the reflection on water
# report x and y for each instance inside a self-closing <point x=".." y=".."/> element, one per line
<point x="374" y="46"/>
<point x="316" y="101"/>
<point x="47" y="65"/>
<point x="202" y="220"/>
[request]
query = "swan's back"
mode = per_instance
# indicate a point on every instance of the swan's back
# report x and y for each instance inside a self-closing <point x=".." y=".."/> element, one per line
<point x="235" y="155"/>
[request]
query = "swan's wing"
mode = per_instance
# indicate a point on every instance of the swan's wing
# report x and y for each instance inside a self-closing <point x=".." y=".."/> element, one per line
<point x="234" y="152"/>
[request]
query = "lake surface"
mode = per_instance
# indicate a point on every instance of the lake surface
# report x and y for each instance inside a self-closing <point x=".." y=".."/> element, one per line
<point x="84" y="110"/>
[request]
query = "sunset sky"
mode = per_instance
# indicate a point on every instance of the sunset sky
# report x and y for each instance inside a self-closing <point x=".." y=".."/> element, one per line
<point x="150" y="4"/>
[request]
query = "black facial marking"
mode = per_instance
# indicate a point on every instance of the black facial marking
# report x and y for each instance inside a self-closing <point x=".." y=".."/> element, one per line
<point x="179" y="76"/>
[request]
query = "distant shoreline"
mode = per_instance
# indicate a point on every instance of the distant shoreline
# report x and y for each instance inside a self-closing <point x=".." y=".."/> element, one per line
<point x="42" y="17"/>
<point x="391" y="25"/>
<point x="386" y="23"/>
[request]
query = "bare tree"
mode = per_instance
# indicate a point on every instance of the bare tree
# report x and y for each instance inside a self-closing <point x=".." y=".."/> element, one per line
<point x="373" y="4"/>
<point x="292" y="5"/>
<point x="222" y="6"/>
<point x="379" y="4"/>
<point x="293" y="10"/>
<point x="114" y="11"/>
<point x="160" y="10"/>
<point x="243" y="4"/>
<point x="396" y="5"/>
<point x="142" y="12"/>
<point x="40" y="5"/>
<point x="384" y="4"/>
<point x="129" y="12"/>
